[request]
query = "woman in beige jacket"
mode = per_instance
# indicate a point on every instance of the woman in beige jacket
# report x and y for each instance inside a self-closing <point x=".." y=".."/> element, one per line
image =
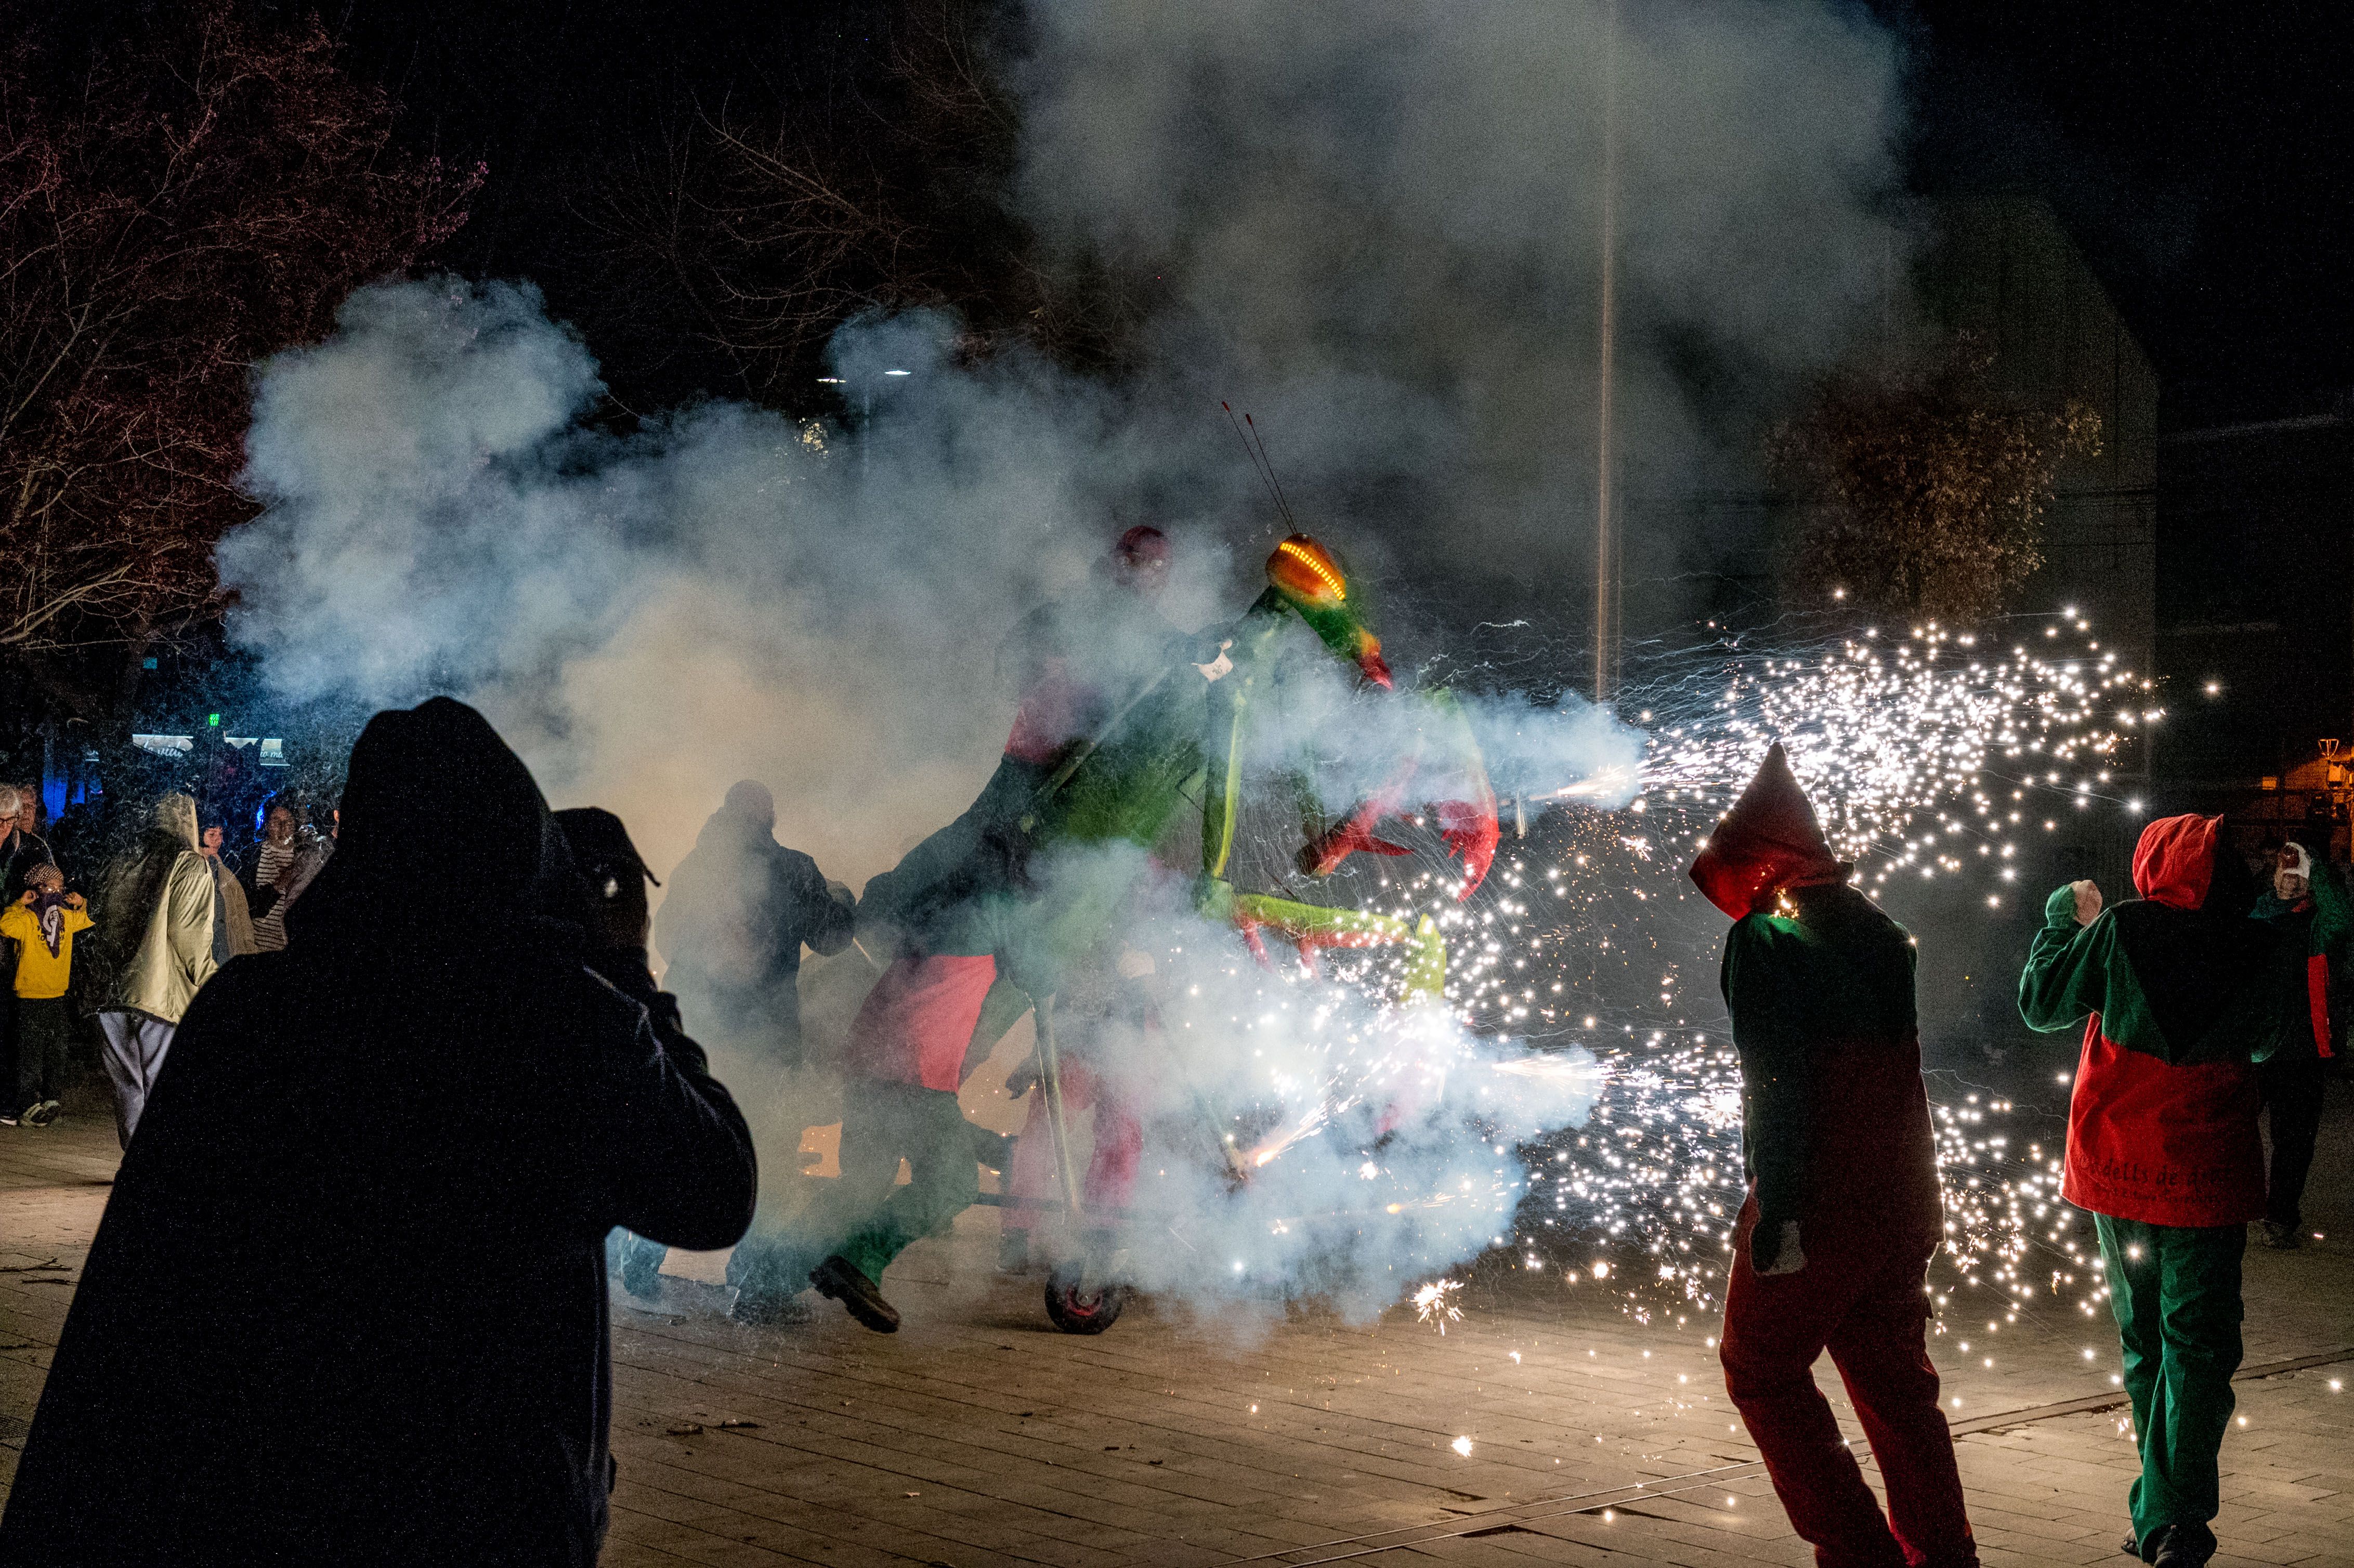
<point x="160" y="909"/>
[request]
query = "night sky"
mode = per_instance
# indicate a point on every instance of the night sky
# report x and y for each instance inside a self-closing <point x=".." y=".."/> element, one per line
<point x="2198" y="152"/>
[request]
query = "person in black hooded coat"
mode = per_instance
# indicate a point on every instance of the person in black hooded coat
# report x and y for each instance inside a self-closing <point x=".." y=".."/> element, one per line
<point x="348" y="1302"/>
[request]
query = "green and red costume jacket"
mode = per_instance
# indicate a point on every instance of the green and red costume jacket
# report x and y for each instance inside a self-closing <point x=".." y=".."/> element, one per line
<point x="2173" y="989"/>
<point x="1819" y="985"/>
<point x="2311" y="937"/>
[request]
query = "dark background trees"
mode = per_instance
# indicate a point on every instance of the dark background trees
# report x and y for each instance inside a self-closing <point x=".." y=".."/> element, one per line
<point x="179" y="198"/>
<point x="1923" y="492"/>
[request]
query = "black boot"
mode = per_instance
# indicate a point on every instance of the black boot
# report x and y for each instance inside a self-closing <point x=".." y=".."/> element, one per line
<point x="840" y="1278"/>
<point x="2181" y="1546"/>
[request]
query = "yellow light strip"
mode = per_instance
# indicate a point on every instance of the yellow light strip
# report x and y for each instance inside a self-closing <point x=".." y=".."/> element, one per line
<point x="1325" y="574"/>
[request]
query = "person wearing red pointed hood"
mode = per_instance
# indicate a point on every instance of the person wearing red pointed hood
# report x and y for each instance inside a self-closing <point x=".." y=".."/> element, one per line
<point x="1844" y="1214"/>
<point x="2174" y="990"/>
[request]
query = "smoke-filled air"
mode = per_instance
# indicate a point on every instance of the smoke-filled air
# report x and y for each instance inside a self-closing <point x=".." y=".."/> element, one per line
<point x="1377" y="231"/>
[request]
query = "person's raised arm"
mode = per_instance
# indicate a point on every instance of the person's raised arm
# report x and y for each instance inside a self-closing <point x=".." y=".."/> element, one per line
<point x="2067" y="975"/>
<point x="2333" y="913"/>
<point x="828" y="912"/>
<point x="678" y="1156"/>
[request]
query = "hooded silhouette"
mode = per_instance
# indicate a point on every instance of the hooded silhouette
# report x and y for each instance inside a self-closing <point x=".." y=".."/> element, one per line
<point x="1844" y="1211"/>
<point x="733" y="922"/>
<point x="348" y="1301"/>
<point x="1768" y="842"/>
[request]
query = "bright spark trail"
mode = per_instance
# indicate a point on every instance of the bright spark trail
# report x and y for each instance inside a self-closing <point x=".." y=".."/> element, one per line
<point x="1928" y="755"/>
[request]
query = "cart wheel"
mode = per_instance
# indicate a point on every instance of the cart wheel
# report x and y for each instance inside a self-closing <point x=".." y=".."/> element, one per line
<point x="1078" y="1310"/>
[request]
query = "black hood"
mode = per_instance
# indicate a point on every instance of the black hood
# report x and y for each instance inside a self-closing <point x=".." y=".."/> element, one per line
<point x="438" y="814"/>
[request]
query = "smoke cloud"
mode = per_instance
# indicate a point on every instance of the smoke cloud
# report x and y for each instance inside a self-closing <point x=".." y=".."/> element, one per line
<point x="1376" y="227"/>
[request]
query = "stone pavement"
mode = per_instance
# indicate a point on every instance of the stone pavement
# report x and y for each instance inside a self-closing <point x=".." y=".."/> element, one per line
<point x="1544" y="1427"/>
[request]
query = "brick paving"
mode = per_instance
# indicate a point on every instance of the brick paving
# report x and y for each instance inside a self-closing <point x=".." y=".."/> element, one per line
<point x="978" y="1437"/>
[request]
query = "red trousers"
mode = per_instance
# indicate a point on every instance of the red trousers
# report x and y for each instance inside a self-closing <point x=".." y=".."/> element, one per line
<point x="1110" y="1178"/>
<point x="1859" y="1297"/>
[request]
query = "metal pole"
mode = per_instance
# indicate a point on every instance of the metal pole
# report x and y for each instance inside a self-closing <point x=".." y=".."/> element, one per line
<point x="1050" y="1079"/>
<point x="1606" y="521"/>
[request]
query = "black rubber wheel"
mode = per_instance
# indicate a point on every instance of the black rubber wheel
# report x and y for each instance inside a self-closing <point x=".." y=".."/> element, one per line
<point x="1075" y="1311"/>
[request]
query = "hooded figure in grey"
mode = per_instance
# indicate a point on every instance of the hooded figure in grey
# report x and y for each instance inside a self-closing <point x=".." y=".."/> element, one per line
<point x="348" y="1301"/>
<point x="732" y="924"/>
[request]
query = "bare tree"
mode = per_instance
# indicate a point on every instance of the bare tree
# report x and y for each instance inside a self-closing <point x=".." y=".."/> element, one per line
<point x="175" y="205"/>
<point x="880" y="191"/>
<point x="1926" y="491"/>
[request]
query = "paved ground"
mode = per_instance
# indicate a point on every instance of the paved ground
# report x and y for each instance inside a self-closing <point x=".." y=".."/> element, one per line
<point x="978" y="1437"/>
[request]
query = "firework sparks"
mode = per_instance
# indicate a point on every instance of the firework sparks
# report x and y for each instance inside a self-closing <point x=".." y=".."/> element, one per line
<point x="1926" y="756"/>
<point x="1431" y="1305"/>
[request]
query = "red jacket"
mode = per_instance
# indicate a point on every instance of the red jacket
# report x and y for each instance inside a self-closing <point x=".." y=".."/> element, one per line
<point x="2162" y="1124"/>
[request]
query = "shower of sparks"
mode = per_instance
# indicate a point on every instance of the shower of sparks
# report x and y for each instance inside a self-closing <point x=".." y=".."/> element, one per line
<point x="1431" y="1306"/>
<point x="1921" y="753"/>
<point x="1929" y="755"/>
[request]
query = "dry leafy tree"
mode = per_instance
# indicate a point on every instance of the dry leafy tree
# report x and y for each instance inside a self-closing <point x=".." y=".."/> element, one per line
<point x="1924" y="493"/>
<point x="881" y="188"/>
<point x="177" y="202"/>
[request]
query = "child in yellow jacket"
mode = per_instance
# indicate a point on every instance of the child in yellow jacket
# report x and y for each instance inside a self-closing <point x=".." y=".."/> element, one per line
<point x="42" y="922"/>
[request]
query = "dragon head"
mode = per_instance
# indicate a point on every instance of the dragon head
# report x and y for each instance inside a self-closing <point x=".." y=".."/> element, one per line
<point x="1304" y="574"/>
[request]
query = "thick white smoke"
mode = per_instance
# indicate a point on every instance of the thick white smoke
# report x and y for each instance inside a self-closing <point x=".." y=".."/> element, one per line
<point x="728" y="595"/>
<point x="1381" y="224"/>
<point x="1375" y="226"/>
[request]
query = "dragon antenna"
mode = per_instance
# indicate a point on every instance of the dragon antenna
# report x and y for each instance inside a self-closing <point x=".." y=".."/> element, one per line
<point x="1283" y="505"/>
<point x="1259" y="463"/>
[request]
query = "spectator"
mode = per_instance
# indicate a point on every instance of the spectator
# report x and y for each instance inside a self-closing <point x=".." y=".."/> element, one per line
<point x="315" y="844"/>
<point x="1833" y="1246"/>
<point x="2306" y="907"/>
<point x="158" y="911"/>
<point x="234" y="938"/>
<point x="739" y="909"/>
<point x="42" y="922"/>
<point x="272" y="858"/>
<point x="21" y="849"/>
<point x="2162" y="1144"/>
<point x="272" y="1357"/>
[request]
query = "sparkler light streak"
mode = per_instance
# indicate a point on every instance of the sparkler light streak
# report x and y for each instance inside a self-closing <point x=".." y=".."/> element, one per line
<point x="1925" y="754"/>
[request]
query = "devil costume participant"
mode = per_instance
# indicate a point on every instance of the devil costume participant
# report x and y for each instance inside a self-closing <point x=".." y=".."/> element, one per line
<point x="1008" y="899"/>
<point x="2175" y="991"/>
<point x="348" y="1301"/>
<point x="1844" y="1211"/>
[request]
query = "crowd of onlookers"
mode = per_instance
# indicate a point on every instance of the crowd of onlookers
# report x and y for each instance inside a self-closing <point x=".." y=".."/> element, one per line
<point x="121" y="944"/>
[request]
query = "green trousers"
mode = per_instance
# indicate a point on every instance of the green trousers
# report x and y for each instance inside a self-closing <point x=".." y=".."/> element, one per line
<point x="866" y="1220"/>
<point x="2175" y="1292"/>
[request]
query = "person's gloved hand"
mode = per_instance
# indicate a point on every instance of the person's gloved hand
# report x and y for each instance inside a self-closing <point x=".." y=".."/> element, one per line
<point x="1786" y="1256"/>
<point x="1023" y="1079"/>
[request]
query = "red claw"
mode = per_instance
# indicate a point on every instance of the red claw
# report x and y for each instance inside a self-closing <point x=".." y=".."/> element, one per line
<point x="1324" y="854"/>
<point x="1470" y="831"/>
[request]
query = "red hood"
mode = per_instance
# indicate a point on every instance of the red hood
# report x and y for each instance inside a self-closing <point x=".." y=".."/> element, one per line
<point x="2174" y="865"/>
<point x="1769" y="842"/>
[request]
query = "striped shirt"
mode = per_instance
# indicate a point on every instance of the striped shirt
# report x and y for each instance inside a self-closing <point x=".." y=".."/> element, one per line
<point x="269" y="931"/>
